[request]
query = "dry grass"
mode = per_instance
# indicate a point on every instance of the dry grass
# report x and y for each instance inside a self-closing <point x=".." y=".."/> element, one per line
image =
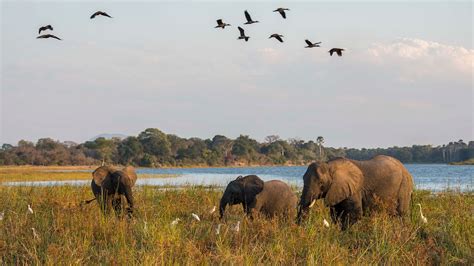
<point x="71" y="234"/>
<point x="54" y="173"/>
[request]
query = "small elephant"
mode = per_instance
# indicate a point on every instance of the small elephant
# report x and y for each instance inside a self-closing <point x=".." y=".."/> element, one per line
<point x="109" y="184"/>
<point x="352" y="188"/>
<point x="269" y="198"/>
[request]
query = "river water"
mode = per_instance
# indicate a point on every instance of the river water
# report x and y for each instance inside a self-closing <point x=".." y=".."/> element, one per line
<point x="434" y="177"/>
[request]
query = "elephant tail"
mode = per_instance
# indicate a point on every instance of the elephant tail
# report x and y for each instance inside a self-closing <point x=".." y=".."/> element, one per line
<point x="84" y="202"/>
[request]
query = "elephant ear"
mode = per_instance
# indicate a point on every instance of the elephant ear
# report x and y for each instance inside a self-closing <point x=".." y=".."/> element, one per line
<point x="346" y="180"/>
<point x="101" y="173"/>
<point x="252" y="185"/>
<point x="131" y="175"/>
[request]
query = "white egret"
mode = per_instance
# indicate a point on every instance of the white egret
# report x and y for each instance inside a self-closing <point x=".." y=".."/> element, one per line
<point x="196" y="216"/>
<point x="237" y="227"/>
<point x="35" y="235"/>
<point x="30" y="210"/>
<point x="423" y="218"/>
<point x="175" y="221"/>
<point x="325" y="223"/>
<point x="213" y="210"/>
<point x="218" y="229"/>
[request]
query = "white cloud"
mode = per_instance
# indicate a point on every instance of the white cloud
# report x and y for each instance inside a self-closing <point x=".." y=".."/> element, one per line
<point x="418" y="58"/>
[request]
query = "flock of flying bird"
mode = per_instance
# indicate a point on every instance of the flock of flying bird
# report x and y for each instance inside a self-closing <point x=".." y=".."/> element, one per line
<point x="220" y="24"/>
<point x="49" y="27"/>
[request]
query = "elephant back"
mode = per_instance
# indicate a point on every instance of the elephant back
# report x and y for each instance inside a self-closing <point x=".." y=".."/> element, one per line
<point x="130" y="173"/>
<point x="101" y="173"/>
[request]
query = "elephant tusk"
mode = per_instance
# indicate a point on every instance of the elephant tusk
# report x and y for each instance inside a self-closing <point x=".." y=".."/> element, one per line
<point x="312" y="203"/>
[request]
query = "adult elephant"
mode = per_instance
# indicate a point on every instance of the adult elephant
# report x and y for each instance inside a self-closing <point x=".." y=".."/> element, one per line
<point x="269" y="198"/>
<point x="109" y="184"/>
<point x="352" y="188"/>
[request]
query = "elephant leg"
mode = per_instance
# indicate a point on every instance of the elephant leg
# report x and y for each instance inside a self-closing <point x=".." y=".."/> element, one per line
<point x="130" y="200"/>
<point x="339" y="214"/>
<point x="102" y="201"/>
<point x="117" y="205"/>
<point x="333" y="214"/>
<point x="250" y="209"/>
<point x="404" y="199"/>
<point x="348" y="212"/>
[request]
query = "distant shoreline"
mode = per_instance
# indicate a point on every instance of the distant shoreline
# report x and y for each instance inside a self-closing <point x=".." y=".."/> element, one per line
<point x="92" y="167"/>
<point x="467" y="162"/>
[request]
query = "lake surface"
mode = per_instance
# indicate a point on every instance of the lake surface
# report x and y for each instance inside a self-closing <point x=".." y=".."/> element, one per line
<point x="434" y="177"/>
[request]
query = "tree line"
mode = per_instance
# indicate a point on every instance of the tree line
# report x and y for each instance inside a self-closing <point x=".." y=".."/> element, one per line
<point x="153" y="148"/>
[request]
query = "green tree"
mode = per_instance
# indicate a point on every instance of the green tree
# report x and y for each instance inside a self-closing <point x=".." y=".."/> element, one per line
<point x="246" y="148"/>
<point x="104" y="149"/>
<point x="130" y="150"/>
<point x="156" y="143"/>
<point x="320" y="142"/>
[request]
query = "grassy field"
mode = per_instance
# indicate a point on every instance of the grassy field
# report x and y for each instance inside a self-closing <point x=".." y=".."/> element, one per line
<point x="54" y="173"/>
<point x="67" y="233"/>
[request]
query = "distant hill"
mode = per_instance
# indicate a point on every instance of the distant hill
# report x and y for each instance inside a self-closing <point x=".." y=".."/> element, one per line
<point x="109" y="136"/>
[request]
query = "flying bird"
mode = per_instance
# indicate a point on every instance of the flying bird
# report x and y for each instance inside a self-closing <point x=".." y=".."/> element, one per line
<point x="175" y="221"/>
<point x="47" y="27"/>
<point x="100" y="13"/>
<point x="46" y="36"/>
<point x="221" y="24"/>
<point x="242" y="35"/>
<point x="249" y="19"/>
<point x="237" y="227"/>
<point x="213" y="210"/>
<point x="312" y="45"/>
<point x="30" y="210"/>
<point x="195" y="216"/>
<point x="423" y="218"/>
<point x="338" y="51"/>
<point x="326" y="223"/>
<point x="218" y="229"/>
<point x="281" y="10"/>
<point x="276" y="36"/>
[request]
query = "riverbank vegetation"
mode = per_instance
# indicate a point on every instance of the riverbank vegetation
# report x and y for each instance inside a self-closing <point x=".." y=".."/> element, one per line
<point x="67" y="233"/>
<point x="466" y="162"/>
<point x="153" y="148"/>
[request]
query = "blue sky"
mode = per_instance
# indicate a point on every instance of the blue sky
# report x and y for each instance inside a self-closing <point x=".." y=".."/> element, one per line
<point x="406" y="77"/>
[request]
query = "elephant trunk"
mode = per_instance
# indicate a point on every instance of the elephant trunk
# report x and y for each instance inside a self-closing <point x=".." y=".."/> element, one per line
<point x="223" y="204"/>
<point x="305" y="203"/>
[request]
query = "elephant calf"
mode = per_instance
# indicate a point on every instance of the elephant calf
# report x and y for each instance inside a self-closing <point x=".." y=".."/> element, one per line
<point x="109" y="184"/>
<point x="352" y="188"/>
<point x="269" y="198"/>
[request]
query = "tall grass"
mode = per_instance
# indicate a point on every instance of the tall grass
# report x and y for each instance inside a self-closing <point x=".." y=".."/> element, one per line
<point x="73" y="234"/>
